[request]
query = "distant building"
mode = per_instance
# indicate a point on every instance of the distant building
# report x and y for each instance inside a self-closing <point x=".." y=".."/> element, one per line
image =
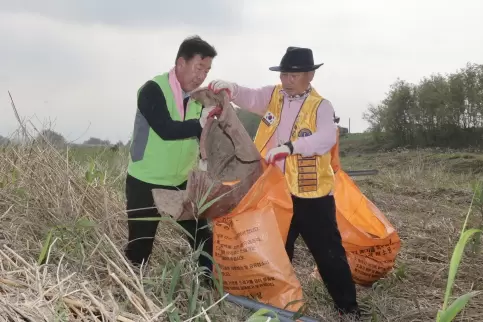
<point x="343" y="130"/>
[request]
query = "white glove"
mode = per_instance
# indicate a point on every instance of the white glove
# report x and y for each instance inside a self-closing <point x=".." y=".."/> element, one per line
<point x="204" y="115"/>
<point x="203" y="165"/>
<point x="218" y="85"/>
<point x="278" y="153"/>
<point x="209" y="112"/>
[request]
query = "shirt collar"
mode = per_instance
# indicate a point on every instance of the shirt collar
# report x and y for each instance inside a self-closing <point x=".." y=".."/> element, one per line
<point x="297" y="96"/>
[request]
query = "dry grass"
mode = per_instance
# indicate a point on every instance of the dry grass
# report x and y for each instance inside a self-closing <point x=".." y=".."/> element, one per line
<point x="84" y="276"/>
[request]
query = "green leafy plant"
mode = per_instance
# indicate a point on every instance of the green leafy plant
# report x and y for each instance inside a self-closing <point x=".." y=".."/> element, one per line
<point x="192" y="291"/>
<point x="449" y="311"/>
<point x="94" y="175"/>
<point x="70" y="237"/>
<point x="478" y="205"/>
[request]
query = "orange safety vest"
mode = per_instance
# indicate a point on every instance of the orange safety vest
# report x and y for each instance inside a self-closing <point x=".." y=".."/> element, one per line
<point x="334" y="153"/>
<point x="307" y="177"/>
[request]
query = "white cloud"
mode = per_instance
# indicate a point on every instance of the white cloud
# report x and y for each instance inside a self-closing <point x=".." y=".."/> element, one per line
<point x="88" y="73"/>
<point x="146" y="13"/>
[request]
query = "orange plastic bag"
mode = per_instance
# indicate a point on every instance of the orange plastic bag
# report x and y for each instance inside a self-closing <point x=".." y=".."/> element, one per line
<point x="249" y="245"/>
<point x="370" y="241"/>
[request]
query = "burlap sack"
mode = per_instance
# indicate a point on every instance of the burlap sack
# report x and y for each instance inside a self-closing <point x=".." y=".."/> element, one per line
<point x="233" y="166"/>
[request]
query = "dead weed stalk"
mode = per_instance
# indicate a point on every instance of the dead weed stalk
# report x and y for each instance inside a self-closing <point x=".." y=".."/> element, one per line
<point x="61" y="240"/>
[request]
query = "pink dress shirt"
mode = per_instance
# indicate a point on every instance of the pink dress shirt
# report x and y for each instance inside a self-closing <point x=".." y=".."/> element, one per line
<point x="320" y="142"/>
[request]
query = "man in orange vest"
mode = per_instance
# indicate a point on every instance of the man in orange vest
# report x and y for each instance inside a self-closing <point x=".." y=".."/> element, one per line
<point x="297" y="133"/>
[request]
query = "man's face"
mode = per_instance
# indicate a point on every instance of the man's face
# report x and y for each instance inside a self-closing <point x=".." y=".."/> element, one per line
<point x="295" y="83"/>
<point x="191" y="74"/>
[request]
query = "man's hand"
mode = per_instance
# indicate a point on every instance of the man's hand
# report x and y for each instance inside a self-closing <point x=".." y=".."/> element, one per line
<point x="278" y="153"/>
<point x="218" y="85"/>
<point x="209" y="112"/>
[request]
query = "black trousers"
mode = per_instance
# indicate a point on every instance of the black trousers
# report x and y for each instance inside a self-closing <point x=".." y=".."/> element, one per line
<point x="314" y="219"/>
<point x="141" y="233"/>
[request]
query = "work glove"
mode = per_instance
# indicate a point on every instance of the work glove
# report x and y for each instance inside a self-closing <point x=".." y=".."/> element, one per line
<point x="218" y="85"/>
<point x="278" y="153"/>
<point x="203" y="165"/>
<point x="209" y="112"/>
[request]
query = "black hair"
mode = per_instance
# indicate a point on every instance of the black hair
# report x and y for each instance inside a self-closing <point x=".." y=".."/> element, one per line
<point x="193" y="46"/>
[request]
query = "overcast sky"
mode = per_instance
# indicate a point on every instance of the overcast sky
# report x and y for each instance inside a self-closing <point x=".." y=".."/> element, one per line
<point x="79" y="63"/>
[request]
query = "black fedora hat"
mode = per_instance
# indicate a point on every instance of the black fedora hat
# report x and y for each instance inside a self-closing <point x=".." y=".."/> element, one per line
<point x="296" y="59"/>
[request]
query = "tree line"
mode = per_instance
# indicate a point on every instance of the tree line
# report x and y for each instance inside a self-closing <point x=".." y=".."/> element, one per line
<point x="56" y="139"/>
<point x="442" y="111"/>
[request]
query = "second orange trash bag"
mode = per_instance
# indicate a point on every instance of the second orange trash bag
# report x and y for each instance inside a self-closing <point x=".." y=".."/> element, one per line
<point x="370" y="241"/>
<point x="249" y="245"/>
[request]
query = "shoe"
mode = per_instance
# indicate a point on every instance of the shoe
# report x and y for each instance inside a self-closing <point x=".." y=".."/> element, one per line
<point x="353" y="314"/>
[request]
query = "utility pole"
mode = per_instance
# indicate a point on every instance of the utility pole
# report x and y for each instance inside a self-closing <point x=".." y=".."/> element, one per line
<point x="349" y="125"/>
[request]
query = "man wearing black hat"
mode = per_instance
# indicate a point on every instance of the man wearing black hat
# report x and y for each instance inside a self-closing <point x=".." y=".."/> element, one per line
<point x="297" y="132"/>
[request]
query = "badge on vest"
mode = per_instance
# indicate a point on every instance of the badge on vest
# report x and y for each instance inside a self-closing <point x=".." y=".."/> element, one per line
<point x="304" y="133"/>
<point x="268" y="119"/>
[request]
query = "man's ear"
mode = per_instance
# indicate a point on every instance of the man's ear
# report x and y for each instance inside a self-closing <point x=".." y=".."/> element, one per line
<point x="180" y="62"/>
<point x="310" y="75"/>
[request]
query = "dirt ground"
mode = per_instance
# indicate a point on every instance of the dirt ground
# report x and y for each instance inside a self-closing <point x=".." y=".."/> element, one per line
<point x="426" y="195"/>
